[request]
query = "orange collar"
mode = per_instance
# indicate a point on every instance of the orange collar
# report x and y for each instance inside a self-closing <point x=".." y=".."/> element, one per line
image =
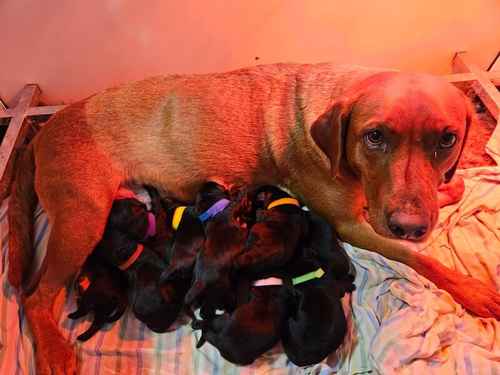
<point x="283" y="201"/>
<point x="83" y="283"/>
<point x="138" y="251"/>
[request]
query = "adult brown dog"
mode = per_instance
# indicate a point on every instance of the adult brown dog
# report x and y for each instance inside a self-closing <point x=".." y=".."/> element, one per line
<point x="371" y="165"/>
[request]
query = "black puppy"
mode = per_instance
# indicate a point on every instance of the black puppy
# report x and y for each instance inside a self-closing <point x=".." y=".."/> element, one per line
<point x="101" y="290"/>
<point x="212" y="286"/>
<point x="101" y="287"/>
<point x="157" y="307"/>
<point x="280" y="227"/>
<point x="126" y="244"/>
<point x="252" y="329"/>
<point x="316" y="325"/>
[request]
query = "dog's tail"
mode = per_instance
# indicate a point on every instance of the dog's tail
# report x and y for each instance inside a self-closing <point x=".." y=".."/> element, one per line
<point x="22" y="204"/>
<point x="29" y="130"/>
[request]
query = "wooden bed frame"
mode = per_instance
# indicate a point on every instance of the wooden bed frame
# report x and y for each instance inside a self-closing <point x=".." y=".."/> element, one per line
<point x="484" y="83"/>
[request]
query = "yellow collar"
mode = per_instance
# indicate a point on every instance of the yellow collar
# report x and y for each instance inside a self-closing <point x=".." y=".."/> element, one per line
<point x="176" y="220"/>
<point x="283" y="201"/>
<point x="138" y="251"/>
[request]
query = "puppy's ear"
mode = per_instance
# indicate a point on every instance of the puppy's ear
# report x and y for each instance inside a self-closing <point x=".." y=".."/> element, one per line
<point x="329" y="132"/>
<point x="243" y="209"/>
<point x="469" y="119"/>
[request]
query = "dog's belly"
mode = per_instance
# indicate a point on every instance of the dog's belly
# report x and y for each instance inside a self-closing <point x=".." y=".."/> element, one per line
<point x="176" y="132"/>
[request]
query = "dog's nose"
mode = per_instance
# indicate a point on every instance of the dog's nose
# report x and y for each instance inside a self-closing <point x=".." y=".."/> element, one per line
<point x="408" y="227"/>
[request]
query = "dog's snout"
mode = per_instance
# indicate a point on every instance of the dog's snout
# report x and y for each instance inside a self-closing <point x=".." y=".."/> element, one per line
<point x="408" y="226"/>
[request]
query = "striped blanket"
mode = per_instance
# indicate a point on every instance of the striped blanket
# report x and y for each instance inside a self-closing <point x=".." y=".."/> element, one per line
<point x="400" y="322"/>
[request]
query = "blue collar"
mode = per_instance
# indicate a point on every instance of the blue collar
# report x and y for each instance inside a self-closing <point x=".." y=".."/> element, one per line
<point x="214" y="209"/>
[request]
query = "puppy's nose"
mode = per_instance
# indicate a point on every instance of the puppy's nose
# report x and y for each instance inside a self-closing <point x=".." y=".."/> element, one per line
<point x="408" y="227"/>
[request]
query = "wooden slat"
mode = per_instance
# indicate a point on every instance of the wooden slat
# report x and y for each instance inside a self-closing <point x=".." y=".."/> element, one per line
<point x="493" y="76"/>
<point x="484" y="88"/>
<point x="7" y="113"/>
<point x="34" y="111"/>
<point x="14" y="136"/>
<point x="45" y="110"/>
<point x="495" y="64"/>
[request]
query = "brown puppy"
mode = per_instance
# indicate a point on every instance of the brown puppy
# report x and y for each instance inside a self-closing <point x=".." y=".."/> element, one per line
<point x="371" y="165"/>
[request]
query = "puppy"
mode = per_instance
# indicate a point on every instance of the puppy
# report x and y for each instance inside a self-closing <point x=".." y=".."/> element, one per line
<point x="157" y="307"/>
<point x="212" y="287"/>
<point x="252" y="329"/>
<point x="102" y="290"/>
<point x="280" y="227"/>
<point x="316" y="324"/>
<point x="131" y="227"/>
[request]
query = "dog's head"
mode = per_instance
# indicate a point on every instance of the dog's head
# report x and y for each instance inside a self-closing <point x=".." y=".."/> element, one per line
<point x="400" y="135"/>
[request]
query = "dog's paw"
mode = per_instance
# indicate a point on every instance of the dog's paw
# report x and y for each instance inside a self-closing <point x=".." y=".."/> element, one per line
<point x="57" y="360"/>
<point x="477" y="297"/>
<point x="451" y="192"/>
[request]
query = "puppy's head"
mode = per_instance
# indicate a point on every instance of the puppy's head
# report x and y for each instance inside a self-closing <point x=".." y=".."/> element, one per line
<point x="400" y="135"/>
<point x="209" y="193"/>
<point x="267" y="194"/>
<point x="255" y="198"/>
<point x="129" y="215"/>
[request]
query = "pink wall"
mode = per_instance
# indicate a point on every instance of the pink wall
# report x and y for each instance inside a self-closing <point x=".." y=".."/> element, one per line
<point x="74" y="48"/>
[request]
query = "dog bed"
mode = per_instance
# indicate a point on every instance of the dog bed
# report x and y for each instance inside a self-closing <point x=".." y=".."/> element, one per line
<point x="399" y="321"/>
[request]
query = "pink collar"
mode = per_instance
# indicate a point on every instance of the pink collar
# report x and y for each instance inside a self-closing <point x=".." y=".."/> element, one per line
<point x="268" y="282"/>
<point x="151" y="232"/>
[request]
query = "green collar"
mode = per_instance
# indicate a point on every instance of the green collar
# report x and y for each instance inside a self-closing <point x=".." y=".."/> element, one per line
<point x="317" y="274"/>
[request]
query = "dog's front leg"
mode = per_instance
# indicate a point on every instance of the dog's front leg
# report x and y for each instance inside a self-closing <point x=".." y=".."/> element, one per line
<point x="451" y="192"/>
<point x="477" y="297"/>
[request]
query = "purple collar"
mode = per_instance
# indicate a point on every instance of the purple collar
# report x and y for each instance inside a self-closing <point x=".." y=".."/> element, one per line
<point x="214" y="209"/>
<point x="151" y="232"/>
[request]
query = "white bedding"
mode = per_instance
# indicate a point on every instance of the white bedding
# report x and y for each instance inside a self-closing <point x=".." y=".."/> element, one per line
<point x="401" y="323"/>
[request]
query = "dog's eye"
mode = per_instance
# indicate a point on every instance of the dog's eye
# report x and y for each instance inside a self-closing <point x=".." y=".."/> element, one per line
<point x="374" y="138"/>
<point x="447" y="140"/>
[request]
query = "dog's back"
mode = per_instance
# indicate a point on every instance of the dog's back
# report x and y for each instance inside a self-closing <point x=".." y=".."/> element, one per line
<point x="155" y="128"/>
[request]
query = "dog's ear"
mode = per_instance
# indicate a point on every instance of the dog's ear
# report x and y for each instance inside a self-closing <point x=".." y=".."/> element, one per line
<point x="469" y="119"/>
<point x="329" y="132"/>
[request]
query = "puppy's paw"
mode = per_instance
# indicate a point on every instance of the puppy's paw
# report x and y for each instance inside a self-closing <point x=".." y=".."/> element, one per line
<point x="197" y="324"/>
<point x="74" y="315"/>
